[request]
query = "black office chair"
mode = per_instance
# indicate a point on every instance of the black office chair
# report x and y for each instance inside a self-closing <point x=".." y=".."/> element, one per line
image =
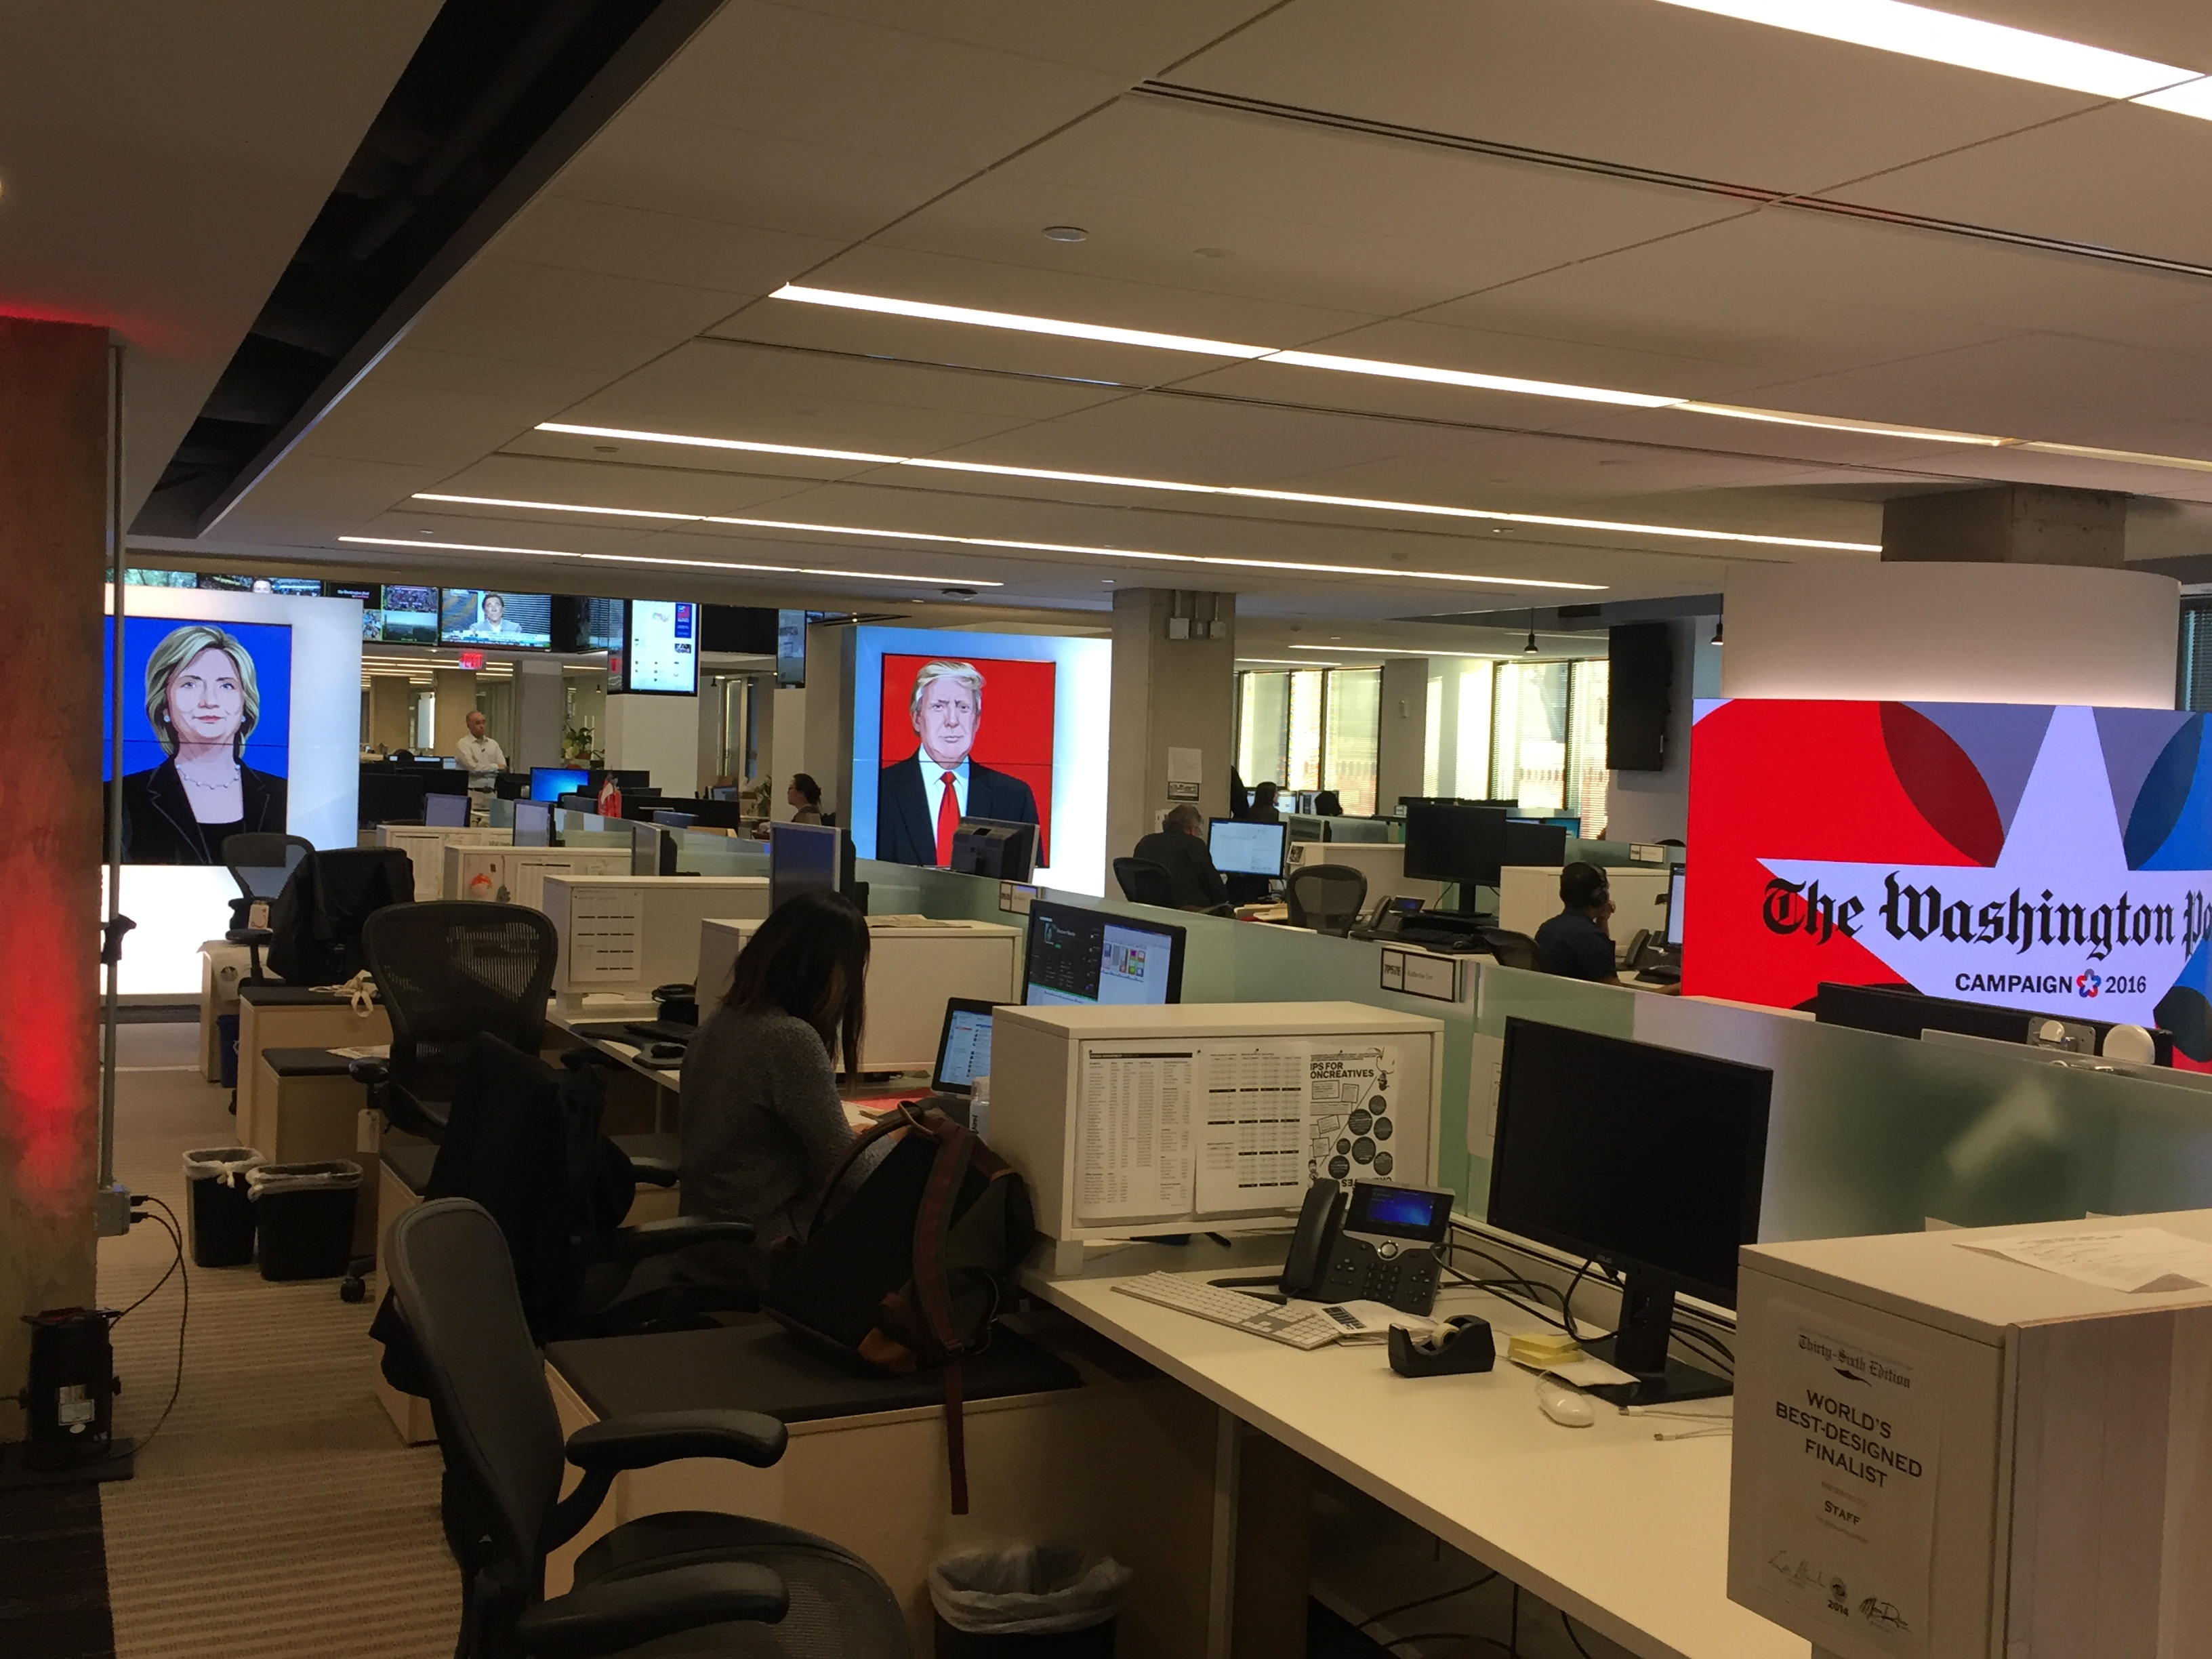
<point x="260" y="863"/>
<point x="316" y="923"/>
<point x="449" y="971"/>
<point x="1514" y="949"/>
<point x="1326" y="897"/>
<point x="1144" y="882"/>
<point x="778" y="1591"/>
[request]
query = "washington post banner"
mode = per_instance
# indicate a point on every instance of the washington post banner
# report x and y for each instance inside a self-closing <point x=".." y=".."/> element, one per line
<point x="2057" y="860"/>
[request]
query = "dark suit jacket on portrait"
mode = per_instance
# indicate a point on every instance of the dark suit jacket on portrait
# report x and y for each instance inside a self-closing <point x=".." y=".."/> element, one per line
<point x="906" y="833"/>
<point x="158" y="826"/>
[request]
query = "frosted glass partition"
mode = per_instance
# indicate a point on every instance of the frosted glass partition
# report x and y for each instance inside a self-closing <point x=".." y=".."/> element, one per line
<point x="1873" y="1133"/>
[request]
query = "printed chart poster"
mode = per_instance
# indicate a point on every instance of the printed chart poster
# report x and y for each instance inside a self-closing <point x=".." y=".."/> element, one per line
<point x="2052" y="858"/>
<point x="1845" y="1531"/>
<point x="994" y="715"/>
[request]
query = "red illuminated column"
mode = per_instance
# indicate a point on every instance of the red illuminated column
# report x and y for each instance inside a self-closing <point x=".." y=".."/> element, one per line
<point x="54" y="438"/>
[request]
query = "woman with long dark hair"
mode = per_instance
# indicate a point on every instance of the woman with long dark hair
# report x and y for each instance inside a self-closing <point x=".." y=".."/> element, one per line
<point x="763" y="1129"/>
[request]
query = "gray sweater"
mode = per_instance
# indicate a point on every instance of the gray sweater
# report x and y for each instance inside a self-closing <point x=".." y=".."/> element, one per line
<point x="762" y="1131"/>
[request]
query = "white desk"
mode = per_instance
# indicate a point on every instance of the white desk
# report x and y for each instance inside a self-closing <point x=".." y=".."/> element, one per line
<point x="1628" y="1534"/>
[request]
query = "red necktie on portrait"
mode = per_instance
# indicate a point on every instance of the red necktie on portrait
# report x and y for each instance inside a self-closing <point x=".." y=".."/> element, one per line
<point x="948" y="819"/>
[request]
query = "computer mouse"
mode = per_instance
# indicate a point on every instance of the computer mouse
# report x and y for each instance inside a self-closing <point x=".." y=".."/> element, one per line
<point x="1566" y="1406"/>
<point x="664" y="1053"/>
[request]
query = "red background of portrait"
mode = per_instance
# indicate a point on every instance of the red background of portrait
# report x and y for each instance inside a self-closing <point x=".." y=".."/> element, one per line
<point x="1015" y="736"/>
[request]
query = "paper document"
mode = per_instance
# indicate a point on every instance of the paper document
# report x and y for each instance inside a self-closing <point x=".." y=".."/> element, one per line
<point x="365" y="1051"/>
<point x="1353" y="1129"/>
<point x="604" y="927"/>
<point x="1252" y="1142"/>
<point x="1133" y="1134"/>
<point x="2136" y="1260"/>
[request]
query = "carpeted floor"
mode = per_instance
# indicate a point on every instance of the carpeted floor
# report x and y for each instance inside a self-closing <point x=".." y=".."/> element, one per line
<point x="275" y="1512"/>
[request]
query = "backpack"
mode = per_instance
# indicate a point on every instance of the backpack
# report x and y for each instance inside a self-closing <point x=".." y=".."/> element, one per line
<point x="909" y="1270"/>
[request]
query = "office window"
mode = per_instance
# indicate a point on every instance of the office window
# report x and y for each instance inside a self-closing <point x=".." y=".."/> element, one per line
<point x="1586" y="774"/>
<point x="1530" y="748"/>
<point x="1353" y="736"/>
<point x="1477" y="688"/>
<point x="1302" y="759"/>
<point x="1432" y="737"/>
<point x="2195" y="688"/>
<point x="1263" y="713"/>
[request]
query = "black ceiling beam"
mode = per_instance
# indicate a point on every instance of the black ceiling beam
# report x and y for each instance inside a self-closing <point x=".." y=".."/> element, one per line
<point x="499" y="96"/>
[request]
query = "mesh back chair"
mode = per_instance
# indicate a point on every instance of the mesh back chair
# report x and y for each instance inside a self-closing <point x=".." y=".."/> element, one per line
<point x="449" y="971"/>
<point x="1514" y="949"/>
<point x="260" y="863"/>
<point x="779" y="1593"/>
<point x="1324" y="898"/>
<point x="1144" y="882"/>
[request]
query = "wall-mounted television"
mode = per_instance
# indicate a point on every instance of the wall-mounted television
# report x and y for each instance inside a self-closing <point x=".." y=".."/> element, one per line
<point x="495" y="616"/>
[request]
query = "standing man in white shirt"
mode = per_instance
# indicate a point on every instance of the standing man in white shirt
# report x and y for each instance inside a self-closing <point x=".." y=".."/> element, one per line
<point x="484" y="759"/>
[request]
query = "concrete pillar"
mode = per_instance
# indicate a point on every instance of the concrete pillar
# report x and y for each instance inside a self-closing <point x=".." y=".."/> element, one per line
<point x="457" y="699"/>
<point x="1169" y="693"/>
<point x="540" y="713"/>
<point x="2007" y="524"/>
<point x="390" y="700"/>
<point x="53" y="516"/>
<point x="657" y="734"/>
<point x="1402" y="751"/>
<point x="828" y="755"/>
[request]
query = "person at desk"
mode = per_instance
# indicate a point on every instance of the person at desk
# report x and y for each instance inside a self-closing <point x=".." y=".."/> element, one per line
<point x="1575" y="944"/>
<point x="805" y="799"/>
<point x="1263" y="810"/>
<point x="485" y="761"/>
<point x="1179" y="848"/>
<point x="763" y="1129"/>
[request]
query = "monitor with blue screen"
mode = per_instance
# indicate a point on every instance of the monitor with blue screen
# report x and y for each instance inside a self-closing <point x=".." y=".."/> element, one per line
<point x="549" y="783"/>
<point x="1088" y="957"/>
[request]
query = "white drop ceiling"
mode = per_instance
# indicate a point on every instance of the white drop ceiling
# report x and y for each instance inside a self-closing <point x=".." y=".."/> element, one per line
<point x="919" y="153"/>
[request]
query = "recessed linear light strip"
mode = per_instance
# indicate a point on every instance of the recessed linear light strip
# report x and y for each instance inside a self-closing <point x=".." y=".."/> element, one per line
<point x="1028" y="324"/>
<point x="1943" y="37"/>
<point x="1119" y="481"/>
<point x="688" y="564"/>
<point x="1081" y="550"/>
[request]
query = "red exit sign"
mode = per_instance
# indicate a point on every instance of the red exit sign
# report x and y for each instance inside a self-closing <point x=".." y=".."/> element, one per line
<point x="472" y="659"/>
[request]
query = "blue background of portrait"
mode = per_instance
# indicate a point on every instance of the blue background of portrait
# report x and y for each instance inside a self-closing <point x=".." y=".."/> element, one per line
<point x="268" y="748"/>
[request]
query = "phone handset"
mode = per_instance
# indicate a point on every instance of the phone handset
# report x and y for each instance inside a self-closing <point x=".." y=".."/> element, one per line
<point x="1320" y="1222"/>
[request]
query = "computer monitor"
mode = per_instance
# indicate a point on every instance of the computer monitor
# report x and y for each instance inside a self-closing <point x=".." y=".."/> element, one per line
<point x="652" y="850"/>
<point x="551" y="782"/>
<point x="390" y="794"/>
<point x="1238" y="848"/>
<point x="1675" y="884"/>
<point x="1900" y="1010"/>
<point x="1454" y="843"/>
<point x="1648" y="1160"/>
<point x="996" y="847"/>
<point x="802" y="858"/>
<point x="964" y="1052"/>
<point x="533" y="823"/>
<point x="512" y="786"/>
<point x="446" y="811"/>
<point x="1306" y="826"/>
<point x="1535" y="843"/>
<point x="669" y="820"/>
<point x="1087" y="957"/>
<point x="578" y="800"/>
<point x="443" y="777"/>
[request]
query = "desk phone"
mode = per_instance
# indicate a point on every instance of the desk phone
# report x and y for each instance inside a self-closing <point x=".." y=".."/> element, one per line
<point x="1380" y="1244"/>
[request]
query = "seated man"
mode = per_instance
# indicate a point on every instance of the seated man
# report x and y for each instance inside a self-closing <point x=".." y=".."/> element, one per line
<point x="1180" y="849"/>
<point x="1575" y="944"/>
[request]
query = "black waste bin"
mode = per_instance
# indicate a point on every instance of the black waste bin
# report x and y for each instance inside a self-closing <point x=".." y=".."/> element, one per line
<point x="219" y="1215"/>
<point x="1038" y="1603"/>
<point x="303" y="1217"/>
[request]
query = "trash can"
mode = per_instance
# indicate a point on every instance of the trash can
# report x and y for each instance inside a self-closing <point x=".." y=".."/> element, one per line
<point x="226" y="1048"/>
<point x="1042" y="1602"/>
<point x="219" y="1215"/>
<point x="303" y="1217"/>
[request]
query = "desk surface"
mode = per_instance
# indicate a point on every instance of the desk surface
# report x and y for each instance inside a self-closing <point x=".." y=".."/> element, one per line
<point x="1626" y="1534"/>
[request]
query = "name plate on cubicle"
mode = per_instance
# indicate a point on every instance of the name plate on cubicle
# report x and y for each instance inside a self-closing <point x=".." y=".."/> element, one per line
<point x="1417" y="974"/>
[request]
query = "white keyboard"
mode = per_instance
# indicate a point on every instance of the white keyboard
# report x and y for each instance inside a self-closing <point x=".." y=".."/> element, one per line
<point x="1233" y="1309"/>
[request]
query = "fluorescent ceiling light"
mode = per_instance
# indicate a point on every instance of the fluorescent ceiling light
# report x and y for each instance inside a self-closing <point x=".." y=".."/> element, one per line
<point x="1299" y="662"/>
<point x="1942" y="37"/>
<point x="636" y="558"/>
<point x="2195" y="98"/>
<point x="1407" y="651"/>
<point x="1121" y="481"/>
<point x="1079" y="549"/>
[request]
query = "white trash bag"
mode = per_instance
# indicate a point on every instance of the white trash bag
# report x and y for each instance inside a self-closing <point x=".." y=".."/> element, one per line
<point x="1032" y="1591"/>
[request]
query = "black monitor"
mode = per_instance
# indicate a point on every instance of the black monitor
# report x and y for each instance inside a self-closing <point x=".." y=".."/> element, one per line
<point x="1085" y="957"/>
<point x="963" y="1048"/>
<point x="441" y="778"/>
<point x="578" y="800"/>
<point x="652" y="850"/>
<point x="1676" y="880"/>
<point x="1454" y="843"/>
<point x="1648" y="1160"/>
<point x="445" y="810"/>
<point x="533" y="823"/>
<point x="802" y="858"/>
<point x="512" y="786"/>
<point x="1535" y="843"/>
<point x="390" y="794"/>
<point x="669" y="820"/>
<point x="714" y="813"/>
<point x="1900" y="1010"/>
<point x="1239" y="848"/>
<point x="996" y="847"/>
<point x="551" y="782"/>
